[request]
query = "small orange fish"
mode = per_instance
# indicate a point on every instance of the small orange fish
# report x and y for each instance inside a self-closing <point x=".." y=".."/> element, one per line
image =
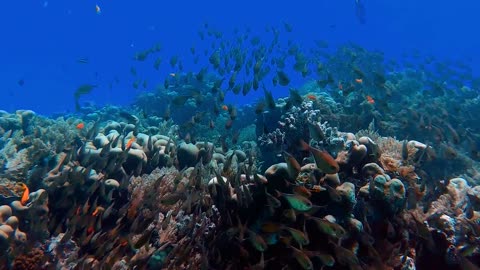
<point x="302" y="191"/>
<point x="97" y="9"/>
<point x="80" y="125"/>
<point x="129" y="143"/>
<point x="312" y="97"/>
<point x="97" y="211"/>
<point x="225" y="107"/>
<point x="90" y="230"/>
<point x="25" y="195"/>
<point x="359" y="80"/>
<point x="370" y="100"/>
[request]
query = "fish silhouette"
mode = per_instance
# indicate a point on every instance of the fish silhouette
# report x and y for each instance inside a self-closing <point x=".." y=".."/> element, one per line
<point x="360" y="11"/>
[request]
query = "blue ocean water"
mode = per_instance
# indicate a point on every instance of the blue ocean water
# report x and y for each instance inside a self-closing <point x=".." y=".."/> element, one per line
<point x="371" y="162"/>
<point x="42" y="41"/>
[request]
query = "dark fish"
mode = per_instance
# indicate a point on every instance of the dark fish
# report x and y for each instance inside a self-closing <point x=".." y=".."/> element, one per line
<point x="246" y="88"/>
<point x="301" y="62"/>
<point x="405" y="150"/>
<point x="82" y="60"/>
<point x="293" y="167"/>
<point x="289" y="215"/>
<point x="316" y="131"/>
<point x="454" y="135"/>
<point x="320" y="68"/>
<point x="235" y="136"/>
<point x="302" y="258"/>
<point x="379" y="79"/>
<point x="173" y="61"/>
<point x="260" y="107"/>
<point x="288" y="27"/>
<point x="180" y="100"/>
<point x="165" y="83"/>
<point x="129" y="117"/>
<point x="304" y="71"/>
<point x="232" y="110"/>
<point x="283" y="78"/>
<point x="293" y="49"/>
<point x="201" y="74"/>
<point x="360" y="11"/>
<point x="269" y="99"/>
<point x="358" y="72"/>
<point x="255" y="41"/>
<point x="142" y="56"/>
<point x="21" y="82"/>
<point x="328" y="228"/>
<point x="211" y="124"/>
<point x="157" y="63"/>
<point x="201" y="34"/>
<point x="172" y="198"/>
<point x="216" y="110"/>
<point x="221" y="96"/>
<point x="333" y="193"/>
<point x="300" y="237"/>
<point x="281" y="62"/>
<point x="135" y="84"/>
<point x="324" y="161"/>
<point x="299" y="203"/>
<point x="321" y="44"/>
<point x="231" y="82"/>
<point x="275" y="80"/>
<point x="216" y="85"/>
<point x="322" y="83"/>
<point x="215" y="59"/>
<point x="257" y="241"/>
<point x="255" y="83"/>
<point x="295" y="97"/>
<point x="144" y="239"/>
<point x="257" y="67"/>
<point x="133" y="71"/>
<point x="82" y="90"/>
<point x="156" y="48"/>
<point x="236" y="89"/>
<point x="302" y="191"/>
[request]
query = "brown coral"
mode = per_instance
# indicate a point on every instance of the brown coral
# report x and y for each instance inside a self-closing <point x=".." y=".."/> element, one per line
<point x="391" y="148"/>
<point x="33" y="260"/>
<point x="389" y="163"/>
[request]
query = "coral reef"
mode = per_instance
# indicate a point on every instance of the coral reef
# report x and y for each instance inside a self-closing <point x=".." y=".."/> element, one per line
<point x="158" y="201"/>
<point x="13" y="241"/>
<point x="181" y="180"/>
